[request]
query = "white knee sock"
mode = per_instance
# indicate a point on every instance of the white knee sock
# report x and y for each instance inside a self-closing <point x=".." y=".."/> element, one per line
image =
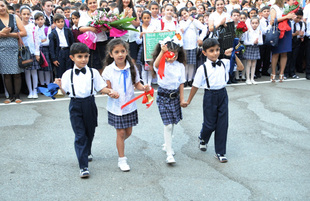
<point x="41" y="77"/>
<point x="47" y="77"/>
<point x="34" y="75"/>
<point x="191" y="69"/>
<point x="168" y="129"/>
<point x="28" y="80"/>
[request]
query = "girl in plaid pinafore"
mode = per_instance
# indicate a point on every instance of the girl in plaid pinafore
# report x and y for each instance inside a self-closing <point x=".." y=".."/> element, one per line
<point x="171" y="78"/>
<point x="122" y="76"/>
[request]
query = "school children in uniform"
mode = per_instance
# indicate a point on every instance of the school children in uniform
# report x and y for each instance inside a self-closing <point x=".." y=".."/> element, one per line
<point x="122" y="76"/>
<point x="81" y="83"/>
<point x="42" y="44"/>
<point x="170" y="71"/>
<point x="298" y="30"/>
<point x="253" y="38"/>
<point x="213" y="76"/>
<point x="190" y="27"/>
<point x="264" y="61"/>
<point x="146" y="67"/>
<point x="31" y="73"/>
<point x="75" y="17"/>
<point x="61" y="38"/>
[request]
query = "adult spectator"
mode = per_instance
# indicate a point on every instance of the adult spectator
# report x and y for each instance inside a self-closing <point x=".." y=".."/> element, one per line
<point x="9" y="26"/>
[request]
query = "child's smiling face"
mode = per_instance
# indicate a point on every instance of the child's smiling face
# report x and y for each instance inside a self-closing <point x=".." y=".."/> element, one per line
<point x="212" y="53"/>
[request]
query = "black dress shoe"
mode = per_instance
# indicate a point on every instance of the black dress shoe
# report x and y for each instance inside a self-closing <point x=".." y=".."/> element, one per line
<point x="185" y="84"/>
<point x="190" y="83"/>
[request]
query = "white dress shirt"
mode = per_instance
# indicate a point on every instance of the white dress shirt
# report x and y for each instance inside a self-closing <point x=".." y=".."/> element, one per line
<point x="174" y="75"/>
<point x="62" y="37"/>
<point x="298" y="28"/>
<point x="218" y="75"/>
<point x="82" y="82"/>
<point x="307" y="17"/>
<point x="170" y="25"/>
<point x="190" y="35"/>
<point x="149" y="29"/>
<point x="39" y="36"/>
<point x="263" y="25"/>
<point x="116" y="76"/>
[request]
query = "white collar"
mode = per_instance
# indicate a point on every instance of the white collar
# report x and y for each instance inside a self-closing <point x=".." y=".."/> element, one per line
<point x="59" y="30"/>
<point x="75" y="67"/>
<point x="118" y="69"/>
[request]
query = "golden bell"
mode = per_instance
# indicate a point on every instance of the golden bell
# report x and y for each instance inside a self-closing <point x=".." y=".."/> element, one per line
<point x="149" y="98"/>
<point x="59" y="94"/>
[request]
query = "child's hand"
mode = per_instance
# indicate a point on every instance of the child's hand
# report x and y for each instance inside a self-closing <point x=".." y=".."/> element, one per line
<point x="301" y="33"/>
<point x="199" y="42"/>
<point x="184" y="104"/>
<point x="56" y="63"/>
<point x="228" y="52"/>
<point x="146" y="88"/>
<point x="223" y="21"/>
<point x="113" y="94"/>
<point x="256" y="41"/>
<point x="58" y="82"/>
<point x="297" y="33"/>
<point x="42" y="41"/>
<point x="37" y="58"/>
<point x="191" y="18"/>
<point x="141" y="34"/>
<point x="164" y="48"/>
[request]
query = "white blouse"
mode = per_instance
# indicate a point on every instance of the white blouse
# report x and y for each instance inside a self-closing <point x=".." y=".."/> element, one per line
<point x="190" y="29"/>
<point x="84" y="19"/>
<point x="251" y="35"/>
<point x="217" y="18"/>
<point x="29" y="39"/>
<point x="117" y="76"/>
<point x="174" y="75"/>
<point x="278" y="10"/>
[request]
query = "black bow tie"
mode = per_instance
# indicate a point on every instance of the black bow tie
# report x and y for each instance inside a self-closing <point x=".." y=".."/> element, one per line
<point x="216" y="63"/>
<point x="77" y="71"/>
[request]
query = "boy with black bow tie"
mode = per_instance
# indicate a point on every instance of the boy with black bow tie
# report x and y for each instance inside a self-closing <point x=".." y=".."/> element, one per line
<point x="80" y="83"/>
<point x="213" y="76"/>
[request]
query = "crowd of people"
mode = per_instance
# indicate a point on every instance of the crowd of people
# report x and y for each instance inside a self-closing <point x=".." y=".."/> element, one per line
<point x="116" y="66"/>
<point x="43" y="24"/>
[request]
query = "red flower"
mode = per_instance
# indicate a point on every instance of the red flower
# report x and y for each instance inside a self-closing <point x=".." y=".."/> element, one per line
<point x="296" y="3"/>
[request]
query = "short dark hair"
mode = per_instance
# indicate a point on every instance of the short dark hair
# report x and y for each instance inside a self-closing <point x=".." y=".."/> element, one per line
<point x="77" y="48"/>
<point x="38" y="15"/>
<point x="192" y="8"/>
<point x="16" y="6"/>
<point x="11" y="8"/>
<point x="67" y="8"/>
<point x="58" y="8"/>
<point x="58" y="17"/>
<point x="44" y="2"/>
<point x="300" y="12"/>
<point x="235" y="11"/>
<point x="64" y="3"/>
<point x="210" y="42"/>
<point x="264" y="8"/>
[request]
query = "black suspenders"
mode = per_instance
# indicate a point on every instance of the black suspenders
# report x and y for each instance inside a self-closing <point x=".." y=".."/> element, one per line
<point x="206" y="74"/>
<point x="92" y="82"/>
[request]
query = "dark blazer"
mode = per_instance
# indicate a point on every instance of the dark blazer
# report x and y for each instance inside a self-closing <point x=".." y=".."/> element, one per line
<point x="54" y="47"/>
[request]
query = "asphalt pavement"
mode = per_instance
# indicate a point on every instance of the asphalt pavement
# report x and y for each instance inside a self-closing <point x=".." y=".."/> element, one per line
<point x="268" y="151"/>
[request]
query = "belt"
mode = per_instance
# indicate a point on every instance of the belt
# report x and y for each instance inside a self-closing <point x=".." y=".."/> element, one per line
<point x="64" y="48"/>
<point x="214" y="90"/>
<point x="172" y="95"/>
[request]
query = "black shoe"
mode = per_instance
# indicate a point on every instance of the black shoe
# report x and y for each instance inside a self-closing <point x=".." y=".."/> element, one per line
<point x="84" y="173"/>
<point x="90" y="157"/>
<point x="221" y="157"/>
<point x="234" y="81"/>
<point x="202" y="145"/>
<point x="243" y="79"/>
<point x="185" y="84"/>
<point x="308" y="77"/>
<point x="190" y="83"/>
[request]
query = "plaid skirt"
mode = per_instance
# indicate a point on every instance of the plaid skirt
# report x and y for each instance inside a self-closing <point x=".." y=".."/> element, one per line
<point x="35" y="64"/>
<point x="123" y="121"/>
<point x="169" y="109"/>
<point x="46" y="53"/>
<point x="251" y="52"/>
<point x="191" y="56"/>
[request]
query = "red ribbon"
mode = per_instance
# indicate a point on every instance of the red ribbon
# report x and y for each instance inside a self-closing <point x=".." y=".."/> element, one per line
<point x="162" y="62"/>
<point x="144" y="100"/>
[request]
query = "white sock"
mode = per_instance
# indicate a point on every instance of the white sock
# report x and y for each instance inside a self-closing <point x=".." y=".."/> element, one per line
<point x="34" y="75"/>
<point x="168" y="129"/>
<point x="28" y="80"/>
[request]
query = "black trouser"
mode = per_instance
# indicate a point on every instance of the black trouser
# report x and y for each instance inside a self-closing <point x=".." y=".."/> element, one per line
<point x="290" y="68"/>
<point x="96" y="58"/>
<point x="65" y="62"/>
<point x="264" y="51"/>
<point x="83" y="117"/>
<point x="215" y="118"/>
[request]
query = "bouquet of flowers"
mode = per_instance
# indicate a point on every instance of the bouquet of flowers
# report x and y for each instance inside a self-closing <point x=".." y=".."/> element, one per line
<point x="283" y="25"/>
<point x="111" y="21"/>
<point x="240" y="29"/>
<point x="116" y="24"/>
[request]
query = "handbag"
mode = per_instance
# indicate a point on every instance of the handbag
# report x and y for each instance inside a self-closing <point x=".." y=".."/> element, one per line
<point x="42" y="62"/>
<point x="272" y="35"/>
<point x="25" y="58"/>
